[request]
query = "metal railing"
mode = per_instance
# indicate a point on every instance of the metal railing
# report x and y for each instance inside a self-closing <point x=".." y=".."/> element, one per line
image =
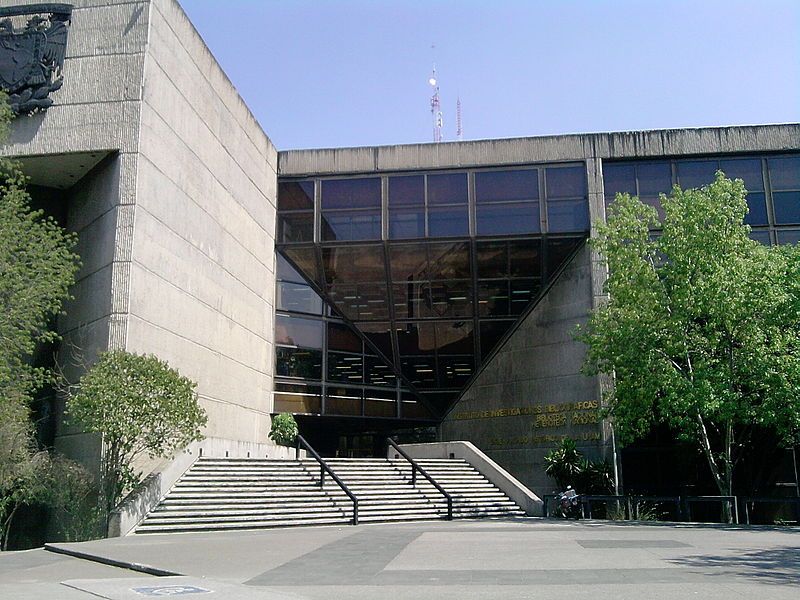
<point x="750" y="502"/>
<point x="414" y="468"/>
<point x="323" y="468"/>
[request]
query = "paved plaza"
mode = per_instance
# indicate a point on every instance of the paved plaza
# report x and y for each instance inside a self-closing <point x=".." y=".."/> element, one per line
<point x="509" y="559"/>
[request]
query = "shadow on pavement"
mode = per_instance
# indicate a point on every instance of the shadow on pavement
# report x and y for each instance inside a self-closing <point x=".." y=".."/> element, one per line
<point x="778" y="565"/>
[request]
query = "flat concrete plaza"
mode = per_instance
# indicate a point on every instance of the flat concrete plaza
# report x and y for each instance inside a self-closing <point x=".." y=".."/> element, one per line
<point x="523" y="558"/>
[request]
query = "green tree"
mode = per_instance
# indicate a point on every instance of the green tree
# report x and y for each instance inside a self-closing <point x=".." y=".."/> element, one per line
<point x="142" y="407"/>
<point x="284" y="429"/>
<point x="701" y="327"/>
<point x="37" y="267"/>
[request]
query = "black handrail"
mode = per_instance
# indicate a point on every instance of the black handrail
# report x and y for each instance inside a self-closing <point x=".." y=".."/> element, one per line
<point x="414" y="468"/>
<point x="323" y="466"/>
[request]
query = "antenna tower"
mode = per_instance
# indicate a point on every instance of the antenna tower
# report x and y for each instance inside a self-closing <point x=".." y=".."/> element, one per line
<point x="459" y="130"/>
<point x="436" y="109"/>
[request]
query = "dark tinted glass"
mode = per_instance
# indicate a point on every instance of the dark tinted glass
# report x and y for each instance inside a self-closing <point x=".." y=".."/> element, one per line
<point x="492" y="259"/>
<point x="454" y="337"/>
<point x="416" y="338"/>
<point x="748" y="170"/>
<point x="379" y="334"/>
<point x="377" y="372"/>
<point x="296" y="398"/>
<point x="419" y="370"/>
<point x="784" y="173"/>
<point x="380" y="404"/>
<point x="566" y="182"/>
<point x="447" y="188"/>
<point x="448" y="221"/>
<point x="360" y="302"/>
<point x="408" y="262"/>
<point x="354" y="263"/>
<point x="406" y="223"/>
<point x="787" y="207"/>
<point x="297" y="331"/>
<point x="298" y="362"/>
<point x="654" y="178"/>
<point x="525" y="257"/>
<point x="296" y="227"/>
<point x="411" y="300"/>
<point x="761" y="236"/>
<point x="449" y="260"/>
<point x="619" y="179"/>
<point x="504" y="186"/>
<point x="407" y="191"/>
<point x="696" y="173"/>
<point x="351" y="193"/>
<point x="285" y="271"/>
<point x="343" y="401"/>
<point x="413" y="408"/>
<point x="297" y="297"/>
<point x="351" y="225"/>
<point x="558" y="250"/>
<point x="757" y="204"/>
<point x="455" y="371"/>
<point x="493" y="298"/>
<point x="341" y="337"/>
<point x="504" y="219"/>
<point x="345" y="368"/>
<point x="567" y="215"/>
<point x="789" y="237"/>
<point x="491" y="333"/>
<point x="306" y="261"/>
<point x="450" y="299"/>
<point x="523" y="291"/>
<point x="294" y="195"/>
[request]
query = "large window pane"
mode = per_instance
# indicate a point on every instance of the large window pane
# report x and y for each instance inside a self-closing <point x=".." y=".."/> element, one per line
<point x="379" y="334"/>
<point x="654" y="178"/>
<point x="377" y="372"/>
<point x="296" y="227"/>
<point x="454" y="337"/>
<point x="297" y="331"/>
<point x="455" y="371"/>
<point x="345" y="368"/>
<point x="567" y="215"/>
<point x="619" y="179"/>
<point x="298" y="362"/>
<point x="419" y="370"/>
<point x="525" y="258"/>
<point x="406" y="223"/>
<point x="406" y="191"/>
<point x="784" y="173"/>
<point x="504" y="186"/>
<point x="359" y="302"/>
<point x="351" y="193"/>
<point x="306" y="260"/>
<point x="294" y="398"/>
<point x="448" y="221"/>
<point x="449" y="260"/>
<point x="558" y="250"/>
<point x="748" y="170"/>
<point x="411" y="300"/>
<point x="451" y="299"/>
<point x="447" y="188"/>
<point x="296" y="195"/>
<point x="379" y="403"/>
<point x="696" y="173"/>
<point x="566" y="182"/>
<point x="295" y="297"/>
<point x="416" y="338"/>
<point x="353" y="264"/>
<point x="491" y="333"/>
<point x="523" y="291"/>
<point x="757" y="204"/>
<point x="351" y="225"/>
<point x="341" y="337"/>
<point x="343" y="401"/>
<point x="761" y="236"/>
<point x="787" y="207"/>
<point x="493" y="298"/>
<point x="788" y="237"/>
<point x="499" y="219"/>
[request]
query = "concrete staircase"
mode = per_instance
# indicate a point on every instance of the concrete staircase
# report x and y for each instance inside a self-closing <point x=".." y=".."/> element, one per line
<point x="223" y="494"/>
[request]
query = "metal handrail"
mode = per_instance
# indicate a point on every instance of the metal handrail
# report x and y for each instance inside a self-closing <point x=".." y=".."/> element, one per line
<point x="414" y="468"/>
<point x="323" y="467"/>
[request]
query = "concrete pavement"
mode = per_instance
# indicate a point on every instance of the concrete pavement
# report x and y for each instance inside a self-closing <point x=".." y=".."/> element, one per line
<point x="509" y="559"/>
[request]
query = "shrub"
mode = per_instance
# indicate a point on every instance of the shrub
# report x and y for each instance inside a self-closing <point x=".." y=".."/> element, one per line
<point x="284" y="429"/>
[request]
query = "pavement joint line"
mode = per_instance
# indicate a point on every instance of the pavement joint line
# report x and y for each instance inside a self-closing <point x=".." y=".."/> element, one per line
<point x="123" y="564"/>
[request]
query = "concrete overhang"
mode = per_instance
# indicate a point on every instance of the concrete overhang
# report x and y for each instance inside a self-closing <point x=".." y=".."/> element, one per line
<point x="60" y="171"/>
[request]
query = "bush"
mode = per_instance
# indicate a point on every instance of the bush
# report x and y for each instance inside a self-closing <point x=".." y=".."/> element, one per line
<point x="141" y="407"/>
<point x="284" y="429"/>
<point x="567" y="466"/>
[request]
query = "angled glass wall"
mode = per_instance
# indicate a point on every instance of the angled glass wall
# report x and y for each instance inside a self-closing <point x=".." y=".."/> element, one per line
<point x="431" y="268"/>
<point x="772" y="183"/>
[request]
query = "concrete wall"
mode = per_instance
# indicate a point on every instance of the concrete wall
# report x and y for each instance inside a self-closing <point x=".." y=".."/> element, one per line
<point x="202" y="266"/>
<point x="531" y="393"/>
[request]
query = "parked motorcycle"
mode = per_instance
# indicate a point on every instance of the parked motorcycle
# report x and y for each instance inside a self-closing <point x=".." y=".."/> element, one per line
<point x="569" y="504"/>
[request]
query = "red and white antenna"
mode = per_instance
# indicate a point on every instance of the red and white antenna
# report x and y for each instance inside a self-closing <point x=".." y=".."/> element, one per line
<point x="436" y="109"/>
<point x="459" y="129"/>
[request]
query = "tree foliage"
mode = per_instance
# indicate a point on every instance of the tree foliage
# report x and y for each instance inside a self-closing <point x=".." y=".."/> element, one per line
<point x="701" y="327"/>
<point x="37" y="267"/>
<point x="284" y="429"/>
<point x="142" y="407"/>
<point x="567" y="465"/>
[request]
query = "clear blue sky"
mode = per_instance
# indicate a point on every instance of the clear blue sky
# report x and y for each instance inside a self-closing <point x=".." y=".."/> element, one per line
<point x="324" y="73"/>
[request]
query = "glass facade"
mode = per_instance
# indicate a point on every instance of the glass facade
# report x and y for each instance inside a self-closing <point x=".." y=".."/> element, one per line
<point x="427" y="272"/>
<point x="772" y="183"/>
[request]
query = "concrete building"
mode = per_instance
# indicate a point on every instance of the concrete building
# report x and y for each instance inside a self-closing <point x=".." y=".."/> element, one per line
<point x="400" y="289"/>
